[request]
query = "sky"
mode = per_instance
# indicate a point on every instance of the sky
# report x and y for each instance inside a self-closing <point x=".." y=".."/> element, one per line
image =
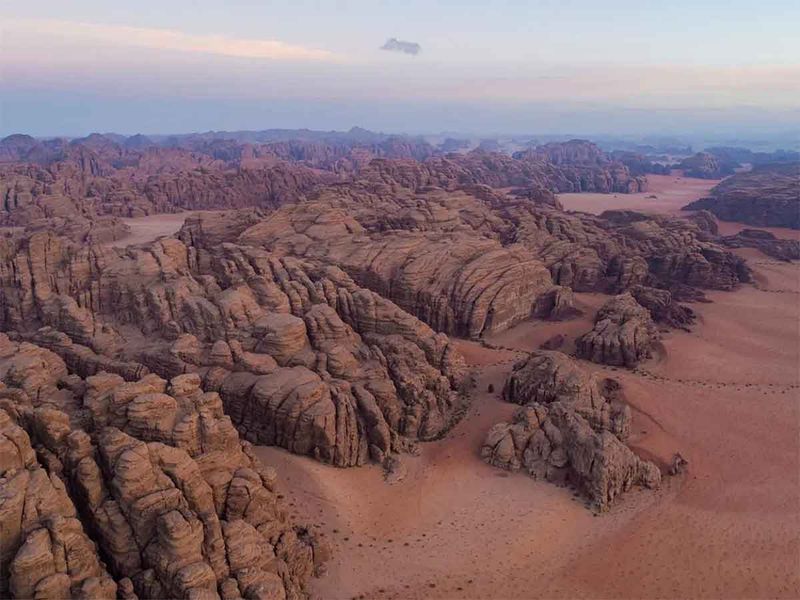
<point x="71" y="67"/>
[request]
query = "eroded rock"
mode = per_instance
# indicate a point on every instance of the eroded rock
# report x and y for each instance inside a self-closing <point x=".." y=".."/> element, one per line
<point x="624" y="334"/>
<point x="570" y="430"/>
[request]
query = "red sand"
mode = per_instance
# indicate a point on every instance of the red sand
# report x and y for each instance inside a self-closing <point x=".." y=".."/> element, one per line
<point x="146" y="229"/>
<point x="672" y="192"/>
<point x="724" y="395"/>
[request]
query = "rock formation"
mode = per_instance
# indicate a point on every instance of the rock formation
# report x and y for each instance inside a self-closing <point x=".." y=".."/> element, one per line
<point x="570" y="430"/>
<point x="98" y="175"/>
<point x="662" y="307"/>
<point x="168" y="495"/>
<point x="623" y="333"/>
<point x="44" y="549"/>
<point x="363" y="378"/>
<point x="767" y="196"/>
<point x="768" y="243"/>
<point x="313" y="315"/>
<point x="705" y="166"/>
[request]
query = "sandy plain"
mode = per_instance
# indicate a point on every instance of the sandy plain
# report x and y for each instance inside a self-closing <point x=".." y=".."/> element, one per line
<point x="151" y="227"/>
<point x="726" y="395"/>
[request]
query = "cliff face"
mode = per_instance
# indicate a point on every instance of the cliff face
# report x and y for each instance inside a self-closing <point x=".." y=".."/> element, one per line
<point x="768" y="196"/>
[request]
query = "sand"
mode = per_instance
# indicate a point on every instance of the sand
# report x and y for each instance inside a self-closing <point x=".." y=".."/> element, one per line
<point x="146" y="229"/>
<point x="724" y="395"/>
<point x="666" y="194"/>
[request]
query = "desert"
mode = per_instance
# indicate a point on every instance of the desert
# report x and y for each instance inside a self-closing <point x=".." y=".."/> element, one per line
<point x="735" y="372"/>
<point x="361" y="366"/>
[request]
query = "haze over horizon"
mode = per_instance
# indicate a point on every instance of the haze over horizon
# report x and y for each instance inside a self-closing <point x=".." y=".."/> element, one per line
<point x="546" y="68"/>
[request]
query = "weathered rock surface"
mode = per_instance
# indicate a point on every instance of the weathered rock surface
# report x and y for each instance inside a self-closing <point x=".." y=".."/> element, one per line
<point x="98" y="175"/>
<point x="457" y="283"/>
<point x="98" y="230"/>
<point x="624" y="334"/>
<point x="663" y="307"/>
<point x="705" y="166"/>
<point x="545" y="377"/>
<point x="171" y="498"/>
<point x="570" y="430"/>
<point x="768" y="243"/>
<point x="44" y="550"/>
<point x="363" y="378"/>
<point x="133" y="381"/>
<point x="767" y="196"/>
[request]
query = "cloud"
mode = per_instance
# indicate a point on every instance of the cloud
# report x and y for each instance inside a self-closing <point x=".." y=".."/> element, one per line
<point x="395" y="45"/>
<point x="172" y="40"/>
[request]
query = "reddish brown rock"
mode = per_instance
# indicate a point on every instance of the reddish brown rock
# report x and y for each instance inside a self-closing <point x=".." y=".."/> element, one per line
<point x="570" y="430"/>
<point x="44" y="550"/>
<point x="662" y="306"/>
<point x="767" y="196"/>
<point x="768" y="243"/>
<point x="173" y="499"/>
<point x="623" y="334"/>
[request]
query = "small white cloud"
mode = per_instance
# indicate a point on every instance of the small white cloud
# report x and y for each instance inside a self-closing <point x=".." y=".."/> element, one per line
<point x="395" y="45"/>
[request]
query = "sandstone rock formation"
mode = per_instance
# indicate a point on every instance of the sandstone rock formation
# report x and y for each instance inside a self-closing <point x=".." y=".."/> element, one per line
<point x="767" y="196"/>
<point x="570" y="430"/>
<point x="705" y="166"/>
<point x="101" y="175"/>
<point x="165" y="492"/>
<point x="363" y="378"/>
<point x="623" y="333"/>
<point x="768" y="243"/>
<point x="44" y="550"/>
<point x="662" y="307"/>
<point x="313" y="315"/>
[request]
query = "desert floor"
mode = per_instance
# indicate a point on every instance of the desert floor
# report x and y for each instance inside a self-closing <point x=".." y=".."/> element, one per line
<point x="665" y="194"/>
<point x="724" y="395"/>
<point x="151" y="227"/>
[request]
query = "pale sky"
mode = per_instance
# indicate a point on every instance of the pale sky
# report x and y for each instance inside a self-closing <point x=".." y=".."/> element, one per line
<point x="69" y="67"/>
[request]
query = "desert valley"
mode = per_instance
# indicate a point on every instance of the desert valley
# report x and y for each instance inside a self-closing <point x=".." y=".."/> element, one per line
<point x="296" y="364"/>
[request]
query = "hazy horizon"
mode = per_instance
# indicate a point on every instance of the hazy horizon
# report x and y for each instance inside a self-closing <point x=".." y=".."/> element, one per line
<point x="622" y="67"/>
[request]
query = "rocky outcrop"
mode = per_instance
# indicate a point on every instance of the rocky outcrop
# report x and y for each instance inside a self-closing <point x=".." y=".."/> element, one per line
<point x="570" y="430"/>
<point x="456" y="282"/>
<point x="662" y="307"/>
<point x="768" y="243"/>
<point x="363" y="378"/>
<point x="87" y="184"/>
<point x="170" y="497"/>
<point x="639" y="164"/>
<point x="99" y="230"/>
<point x="103" y="175"/>
<point x="44" y="549"/>
<point x="623" y="334"/>
<point x="545" y="377"/>
<point x="620" y="249"/>
<point x="767" y="196"/>
<point x="705" y="166"/>
<point x="589" y="168"/>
